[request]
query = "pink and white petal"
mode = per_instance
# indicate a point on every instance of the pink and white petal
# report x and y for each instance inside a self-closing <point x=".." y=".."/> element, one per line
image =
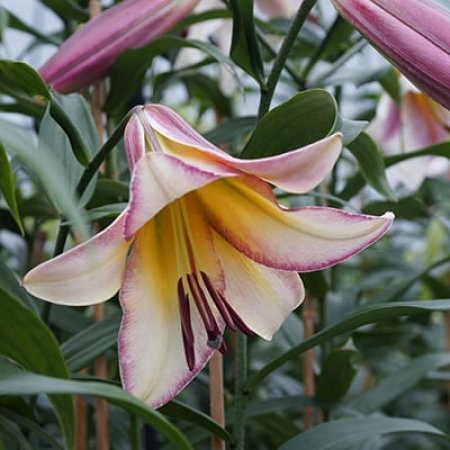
<point x="134" y="138"/>
<point x="171" y="126"/>
<point x="89" y="273"/>
<point x="298" y="170"/>
<point x="262" y="297"/>
<point x="159" y="179"/>
<point x="152" y="360"/>
<point x="303" y="239"/>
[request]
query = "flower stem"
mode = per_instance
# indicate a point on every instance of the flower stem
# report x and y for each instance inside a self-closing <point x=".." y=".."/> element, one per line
<point x="279" y="63"/>
<point x="240" y="397"/>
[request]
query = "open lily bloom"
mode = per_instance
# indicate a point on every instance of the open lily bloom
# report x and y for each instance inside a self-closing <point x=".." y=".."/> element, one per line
<point x="417" y="122"/>
<point x="203" y="244"/>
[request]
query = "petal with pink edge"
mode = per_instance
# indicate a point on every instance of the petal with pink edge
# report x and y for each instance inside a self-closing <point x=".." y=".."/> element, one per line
<point x="295" y="171"/>
<point x="134" y="138"/>
<point x="261" y="296"/>
<point x="152" y="358"/>
<point x="299" y="170"/>
<point x="303" y="239"/>
<point x="89" y="273"/>
<point x="159" y="179"/>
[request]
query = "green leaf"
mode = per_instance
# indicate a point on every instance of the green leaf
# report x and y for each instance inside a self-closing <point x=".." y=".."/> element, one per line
<point x="25" y="339"/>
<point x="8" y="187"/>
<point x="17" y="382"/>
<point x="10" y="429"/>
<point x="409" y="208"/>
<point x="245" y="50"/>
<point x="371" y="163"/>
<point x="347" y="434"/>
<point x="105" y="212"/>
<point x="391" y="84"/>
<point x="356" y="183"/>
<point x="231" y="130"/>
<point x="184" y="412"/>
<point x="4" y="20"/>
<point x="128" y="73"/>
<point x="67" y="9"/>
<point x="338" y="371"/>
<point x="207" y="91"/>
<point x="76" y="107"/>
<point x="442" y="149"/>
<point x="395" y="292"/>
<point x="18" y="79"/>
<point x="68" y="124"/>
<point x="303" y="119"/>
<point x="338" y="33"/>
<point x="10" y="285"/>
<point x="351" y="129"/>
<point x="91" y="342"/>
<point x="40" y="164"/>
<point x="30" y="425"/>
<point x="399" y="382"/>
<point x="80" y="137"/>
<point x="18" y="24"/>
<point x="365" y="316"/>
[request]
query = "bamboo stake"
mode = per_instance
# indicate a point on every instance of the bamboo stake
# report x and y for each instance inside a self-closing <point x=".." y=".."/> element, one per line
<point x="308" y="361"/>
<point x="100" y="365"/>
<point x="216" y="400"/>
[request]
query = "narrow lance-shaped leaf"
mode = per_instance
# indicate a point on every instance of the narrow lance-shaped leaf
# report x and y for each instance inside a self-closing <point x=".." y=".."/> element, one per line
<point x="371" y="164"/>
<point x="398" y="382"/>
<point x="20" y="330"/>
<point x="128" y="73"/>
<point x="40" y="164"/>
<point x="4" y="19"/>
<point x="16" y="382"/>
<point x="371" y="314"/>
<point x="350" y="433"/>
<point x="244" y="46"/>
<point x="19" y="79"/>
<point x="8" y="188"/>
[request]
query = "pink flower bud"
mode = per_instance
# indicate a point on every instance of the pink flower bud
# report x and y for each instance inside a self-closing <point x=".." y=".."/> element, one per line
<point x="91" y="51"/>
<point x="412" y="34"/>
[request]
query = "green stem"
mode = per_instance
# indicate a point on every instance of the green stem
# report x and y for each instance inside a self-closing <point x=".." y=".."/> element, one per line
<point x="291" y="36"/>
<point x="289" y="69"/>
<point x="240" y="398"/>
<point x="106" y="149"/>
<point x="136" y="430"/>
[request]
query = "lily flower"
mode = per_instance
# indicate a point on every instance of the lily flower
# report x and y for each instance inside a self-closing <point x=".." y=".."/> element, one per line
<point x="416" y="122"/>
<point x="92" y="50"/>
<point x="202" y="245"/>
<point x="412" y="34"/>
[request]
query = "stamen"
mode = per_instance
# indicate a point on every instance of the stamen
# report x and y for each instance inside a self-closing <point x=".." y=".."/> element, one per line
<point x="218" y="302"/>
<point x="186" y="326"/>
<point x="212" y="329"/>
<point x="230" y="316"/>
